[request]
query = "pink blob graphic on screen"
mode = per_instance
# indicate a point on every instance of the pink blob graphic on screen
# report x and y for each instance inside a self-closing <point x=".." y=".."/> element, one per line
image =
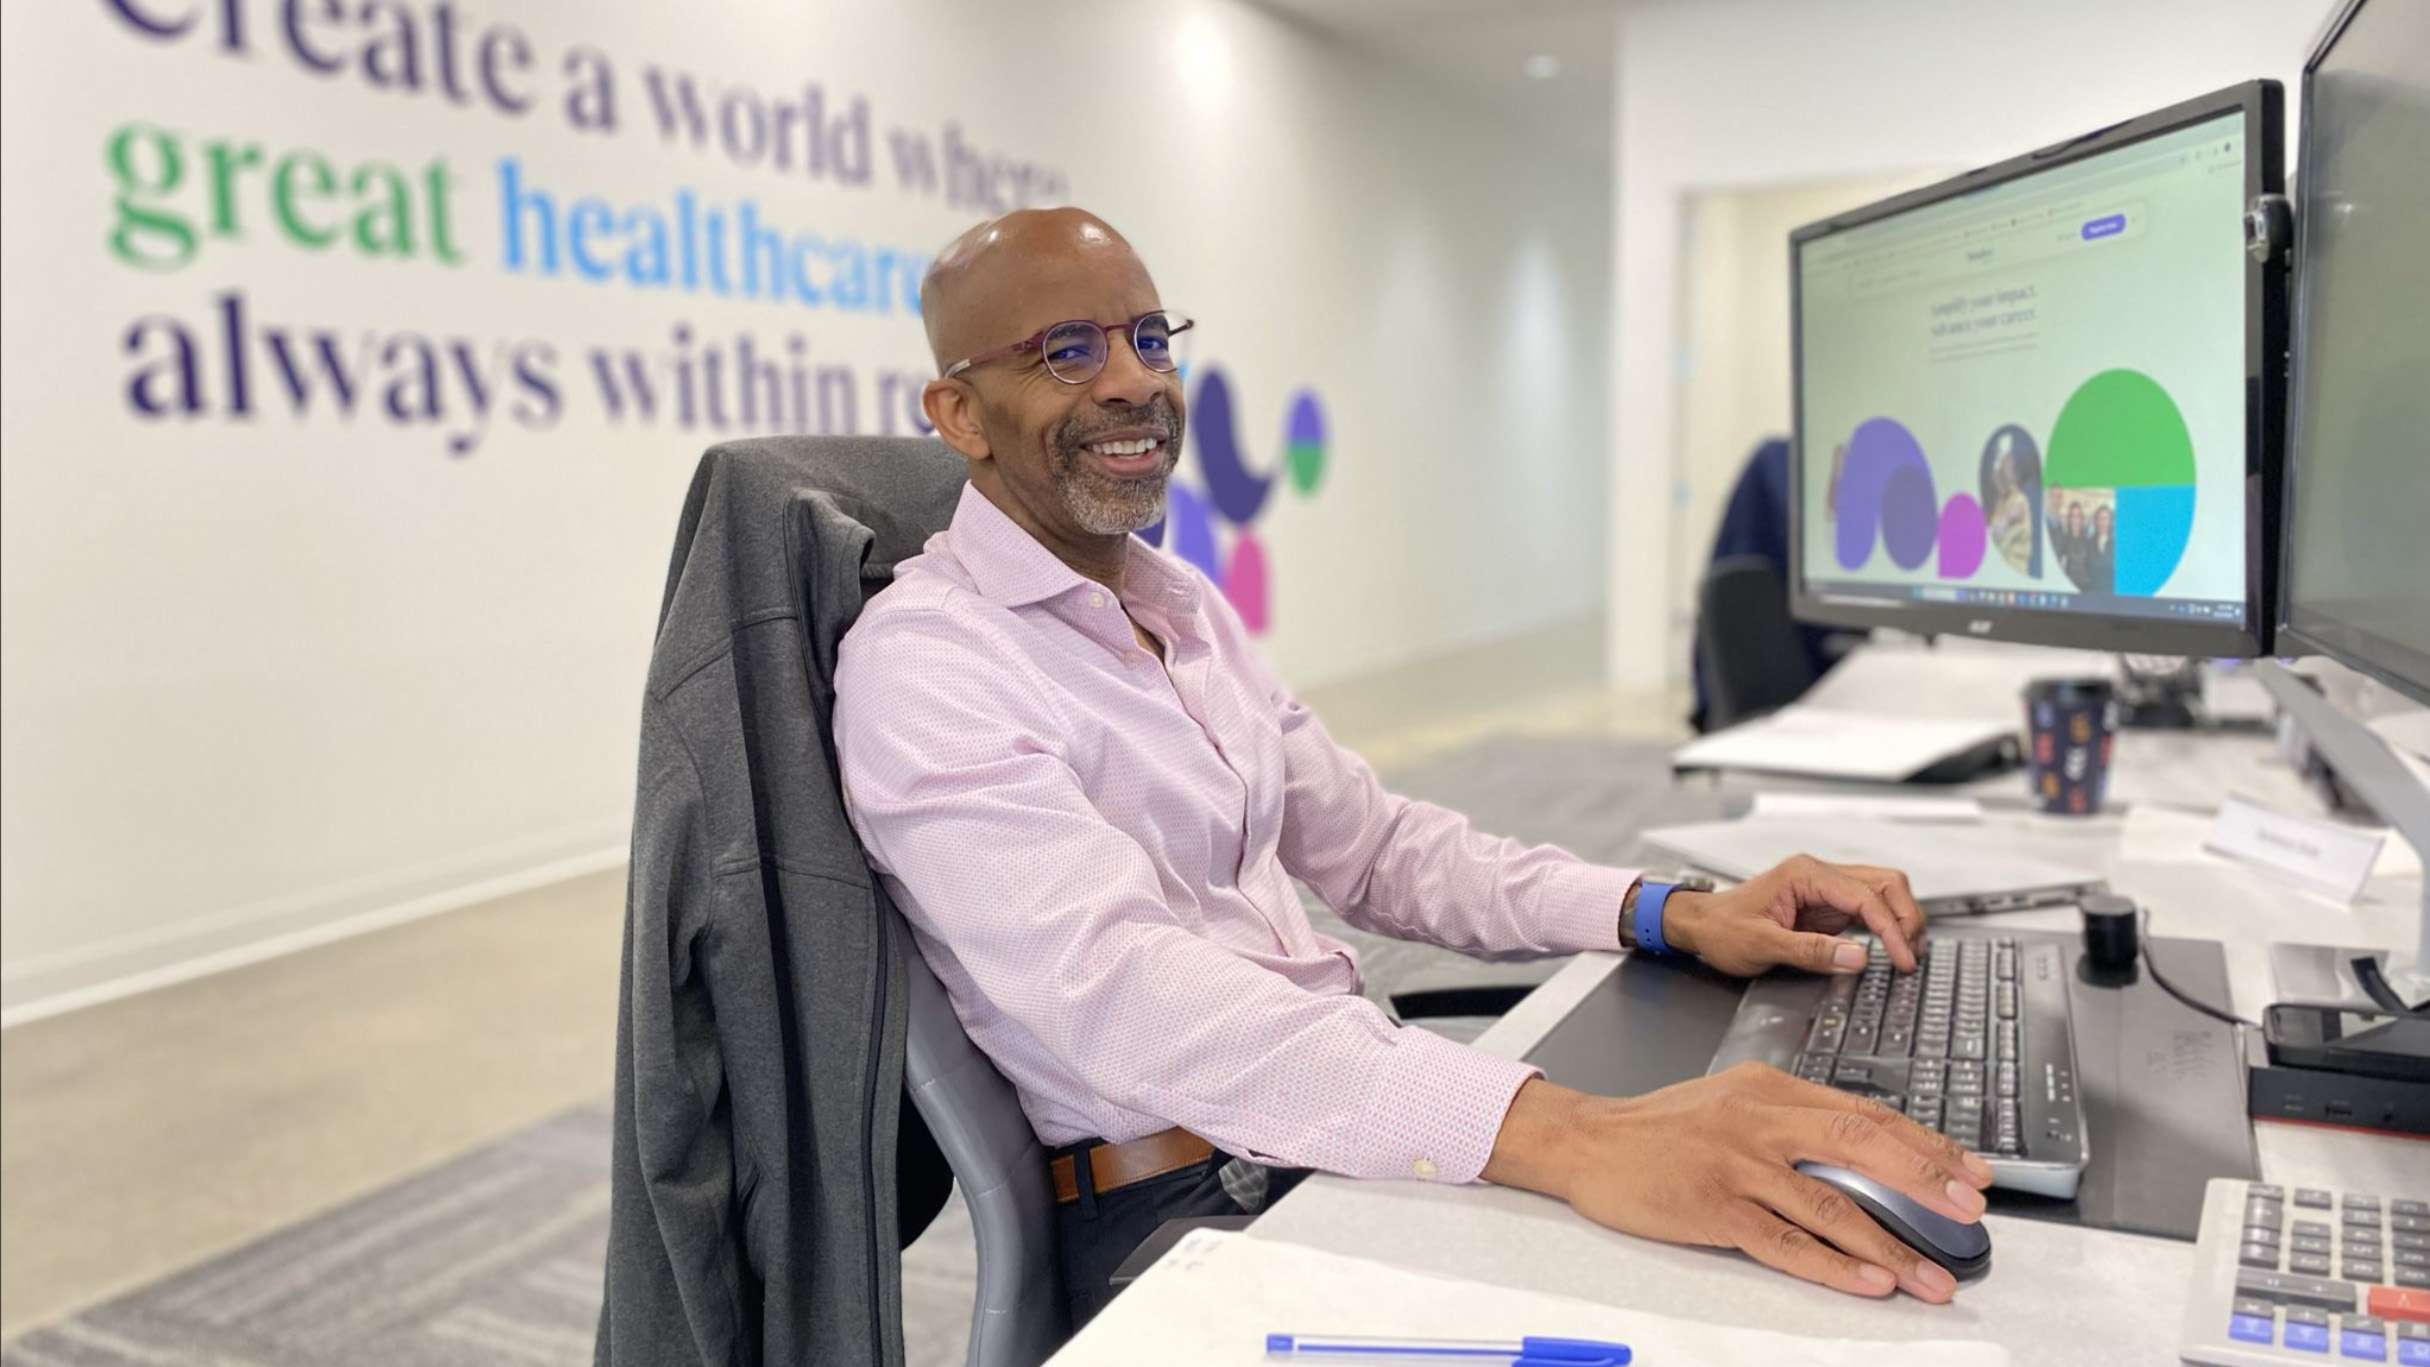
<point x="1962" y="537"/>
<point x="1244" y="580"/>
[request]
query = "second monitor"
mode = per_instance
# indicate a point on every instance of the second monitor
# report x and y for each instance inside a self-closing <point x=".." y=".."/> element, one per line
<point x="2041" y="401"/>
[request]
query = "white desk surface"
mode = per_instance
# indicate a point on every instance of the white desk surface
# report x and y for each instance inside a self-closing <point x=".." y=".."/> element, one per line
<point x="2057" y="1295"/>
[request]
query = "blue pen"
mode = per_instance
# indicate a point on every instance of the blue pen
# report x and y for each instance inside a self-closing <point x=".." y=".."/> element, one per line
<point x="1527" y="1352"/>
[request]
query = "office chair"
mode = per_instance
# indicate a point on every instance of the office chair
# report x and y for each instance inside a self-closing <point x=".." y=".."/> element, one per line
<point x="905" y="490"/>
<point x="1754" y="659"/>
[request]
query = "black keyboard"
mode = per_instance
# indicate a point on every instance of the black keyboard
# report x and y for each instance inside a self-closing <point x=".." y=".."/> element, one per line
<point x="1977" y="1044"/>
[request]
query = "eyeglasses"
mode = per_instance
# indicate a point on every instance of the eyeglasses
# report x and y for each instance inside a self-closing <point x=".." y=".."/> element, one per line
<point x="1076" y="352"/>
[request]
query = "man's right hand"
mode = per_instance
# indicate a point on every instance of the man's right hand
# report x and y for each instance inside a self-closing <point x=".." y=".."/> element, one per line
<point x="1711" y="1161"/>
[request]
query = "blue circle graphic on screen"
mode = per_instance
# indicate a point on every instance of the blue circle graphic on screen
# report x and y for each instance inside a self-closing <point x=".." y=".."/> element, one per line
<point x="1884" y="490"/>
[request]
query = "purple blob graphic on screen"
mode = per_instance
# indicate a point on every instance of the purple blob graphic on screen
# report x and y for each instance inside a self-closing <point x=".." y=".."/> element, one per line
<point x="1244" y="584"/>
<point x="1907" y="517"/>
<point x="1963" y="536"/>
<point x="1871" y="499"/>
<point x="1235" y="492"/>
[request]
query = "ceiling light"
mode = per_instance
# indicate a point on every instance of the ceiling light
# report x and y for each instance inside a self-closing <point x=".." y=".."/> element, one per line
<point x="1543" y="66"/>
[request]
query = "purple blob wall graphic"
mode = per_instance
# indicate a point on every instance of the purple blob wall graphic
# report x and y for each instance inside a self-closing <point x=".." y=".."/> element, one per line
<point x="1193" y="531"/>
<point x="1873" y="501"/>
<point x="1235" y="492"/>
<point x="1963" y="536"/>
<point x="1234" y="496"/>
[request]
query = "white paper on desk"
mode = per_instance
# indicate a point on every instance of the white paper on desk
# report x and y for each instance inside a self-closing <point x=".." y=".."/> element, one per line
<point x="1861" y="745"/>
<point x="1867" y="806"/>
<point x="1213" y="1299"/>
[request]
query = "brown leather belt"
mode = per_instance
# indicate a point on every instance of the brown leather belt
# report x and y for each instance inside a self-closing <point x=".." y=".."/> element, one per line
<point x="1112" y="1166"/>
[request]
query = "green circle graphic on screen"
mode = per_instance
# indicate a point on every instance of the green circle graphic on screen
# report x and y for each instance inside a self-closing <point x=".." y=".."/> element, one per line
<point x="2118" y="485"/>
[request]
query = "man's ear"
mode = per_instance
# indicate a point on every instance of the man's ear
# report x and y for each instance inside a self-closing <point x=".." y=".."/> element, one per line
<point x="953" y="409"/>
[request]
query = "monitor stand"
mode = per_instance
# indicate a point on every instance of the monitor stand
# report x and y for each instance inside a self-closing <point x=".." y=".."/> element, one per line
<point x="2326" y="974"/>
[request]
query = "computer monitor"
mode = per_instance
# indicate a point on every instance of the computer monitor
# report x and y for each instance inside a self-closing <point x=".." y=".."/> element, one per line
<point x="2357" y="538"/>
<point x="2357" y="542"/>
<point x="2042" y="401"/>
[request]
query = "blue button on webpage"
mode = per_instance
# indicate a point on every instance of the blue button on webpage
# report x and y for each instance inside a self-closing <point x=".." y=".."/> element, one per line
<point x="2109" y="226"/>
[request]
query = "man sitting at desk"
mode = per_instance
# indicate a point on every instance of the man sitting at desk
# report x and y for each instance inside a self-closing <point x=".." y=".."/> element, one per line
<point x="1089" y="796"/>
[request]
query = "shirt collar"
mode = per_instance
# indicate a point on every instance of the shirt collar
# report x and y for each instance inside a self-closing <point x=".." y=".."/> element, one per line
<point x="1008" y="566"/>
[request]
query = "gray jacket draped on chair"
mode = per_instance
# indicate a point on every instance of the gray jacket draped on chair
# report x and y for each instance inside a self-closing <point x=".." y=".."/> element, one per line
<point x="760" y="1200"/>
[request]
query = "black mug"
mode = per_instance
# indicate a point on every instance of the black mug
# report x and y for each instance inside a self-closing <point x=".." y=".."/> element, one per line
<point x="2072" y="724"/>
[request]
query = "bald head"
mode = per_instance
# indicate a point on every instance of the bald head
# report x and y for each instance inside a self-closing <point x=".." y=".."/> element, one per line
<point x="1028" y="270"/>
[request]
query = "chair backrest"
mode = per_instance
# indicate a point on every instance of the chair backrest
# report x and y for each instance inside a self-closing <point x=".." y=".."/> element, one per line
<point x="1754" y="660"/>
<point x="904" y="491"/>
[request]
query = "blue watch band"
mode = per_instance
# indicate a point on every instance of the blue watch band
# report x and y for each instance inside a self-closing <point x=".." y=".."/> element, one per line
<point x="1650" y="897"/>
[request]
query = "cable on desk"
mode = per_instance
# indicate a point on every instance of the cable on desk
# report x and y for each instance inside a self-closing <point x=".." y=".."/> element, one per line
<point x="2152" y="961"/>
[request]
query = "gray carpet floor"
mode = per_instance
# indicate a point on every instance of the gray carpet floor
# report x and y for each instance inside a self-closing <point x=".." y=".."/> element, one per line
<point x="495" y="1257"/>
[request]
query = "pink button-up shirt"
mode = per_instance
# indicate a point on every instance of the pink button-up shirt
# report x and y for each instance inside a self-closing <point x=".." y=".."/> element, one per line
<point x="1095" y="850"/>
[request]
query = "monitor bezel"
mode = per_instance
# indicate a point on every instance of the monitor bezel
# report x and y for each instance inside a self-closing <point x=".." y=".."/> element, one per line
<point x="2295" y="636"/>
<point x="2261" y="103"/>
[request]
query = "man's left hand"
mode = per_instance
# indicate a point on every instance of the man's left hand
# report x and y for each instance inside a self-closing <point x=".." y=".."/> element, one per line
<point x="1792" y="914"/>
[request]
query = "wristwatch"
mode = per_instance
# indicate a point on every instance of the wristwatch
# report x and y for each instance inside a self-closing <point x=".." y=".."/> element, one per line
<point x="1646" y="913"/>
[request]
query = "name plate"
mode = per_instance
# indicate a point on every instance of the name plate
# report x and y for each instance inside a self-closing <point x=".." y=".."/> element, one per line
<point x="2324" y="856"/>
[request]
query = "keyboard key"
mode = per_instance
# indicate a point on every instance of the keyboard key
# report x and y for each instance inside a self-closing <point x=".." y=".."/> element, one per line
<point x="2314" y="1198"/>
<point x="2359" y="1201"/>
<point x="2413" y="1352"/>
<point x="2310" y="1264"/>
<point x="2388" y="1302"/>
<point x="2252" y="1329"/>
<point x="2409" y="1329"/>
<point x="2411" y="1257"/>
<point x="2413" y="1278"/>
<point x="2360" y="1217"/>
<point x="2253" y="1305"/>
<point x="2363" y="1347"/>
<point x="2402" y="1239"/>
<point x="2308" y="1338"/>
<point x="2288" y="1288"/>
<point x="2366" y="1324"/>
<point x="2313" y="1228"/>
<point x="2409" y="1207"/>
<point x="2364" y="1272"/>
<point x="2304" y="1243"/>
<point x="2268" y="1234"/>
<point x="2410" y="1224"/>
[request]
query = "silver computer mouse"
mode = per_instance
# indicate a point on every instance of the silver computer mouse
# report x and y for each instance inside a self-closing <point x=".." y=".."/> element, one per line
<point x="1964" y="1249"/>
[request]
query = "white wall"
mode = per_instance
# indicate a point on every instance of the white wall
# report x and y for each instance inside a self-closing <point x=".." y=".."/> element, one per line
<point x="265" y="671"/>
<point x="1737" y="93"/>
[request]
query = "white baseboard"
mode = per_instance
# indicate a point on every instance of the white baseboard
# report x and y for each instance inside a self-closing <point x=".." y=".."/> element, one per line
<point x="36" y="989"/>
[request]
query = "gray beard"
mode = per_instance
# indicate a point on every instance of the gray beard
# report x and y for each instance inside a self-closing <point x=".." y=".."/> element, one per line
<point x="1111" y="507"/>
